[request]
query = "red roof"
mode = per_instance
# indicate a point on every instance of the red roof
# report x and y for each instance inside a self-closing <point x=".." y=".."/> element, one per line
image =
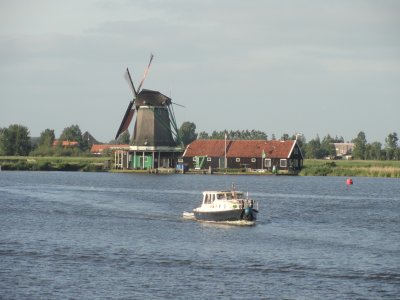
<point x="212" y="148"/>
<point x="240" y="148"/>
<point x="65" y="143"/>
<point x="98" y="148"/>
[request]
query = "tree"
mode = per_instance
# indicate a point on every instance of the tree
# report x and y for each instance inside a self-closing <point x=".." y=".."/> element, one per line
<point x="45" y="143"/>
<point x="47" y="138"/>
<point x="15" y="140"/>
<point x="391" y="146"/>
<point x="374" y="151"/>
<point x="124" y="138"/>
<point x="360" y="143"/>
<point x="313" y="148"/>
<point x="285" y="137"/>
<point x="218" y="135"/>
<point x="327" y="147"/>
<point x="234" y="135"/>
<point x="203" y="136"/>
<point x="73" y="134"/>
<point x="187" y="132"/>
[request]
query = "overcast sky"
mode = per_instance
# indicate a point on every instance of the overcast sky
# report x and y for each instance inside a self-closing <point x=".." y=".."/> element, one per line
<point x="313" y="67"/>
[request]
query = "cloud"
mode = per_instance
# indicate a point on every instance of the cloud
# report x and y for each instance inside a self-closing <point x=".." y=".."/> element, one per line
<point x="255" y="60"/>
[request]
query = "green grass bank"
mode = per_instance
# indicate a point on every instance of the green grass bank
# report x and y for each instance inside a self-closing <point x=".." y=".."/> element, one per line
<point x="29" y="163"/>
<point x="351" y="168"/>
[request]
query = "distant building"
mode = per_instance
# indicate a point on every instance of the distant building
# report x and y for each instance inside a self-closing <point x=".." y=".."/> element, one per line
<point x="65" y="144"/>
<point x="249" y="154"/>
<point x="344" y="150"/>
<point x="89" y="139"/>
<point x="99" y="149"/>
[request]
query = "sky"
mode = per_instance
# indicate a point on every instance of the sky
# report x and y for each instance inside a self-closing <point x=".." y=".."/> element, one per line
<point x="306" y="66"/>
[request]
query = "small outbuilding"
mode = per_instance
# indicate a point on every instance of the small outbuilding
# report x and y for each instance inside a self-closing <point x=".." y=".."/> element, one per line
<point x="248" y="154"/>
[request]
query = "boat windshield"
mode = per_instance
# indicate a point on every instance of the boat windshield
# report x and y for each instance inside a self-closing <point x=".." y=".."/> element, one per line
<point x="220" y="196"/>
<point x="210" y="197"/>
<point x="230" y="195"/>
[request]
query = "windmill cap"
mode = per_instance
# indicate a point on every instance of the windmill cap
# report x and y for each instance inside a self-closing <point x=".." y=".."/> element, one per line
<point x="152" y="98"/>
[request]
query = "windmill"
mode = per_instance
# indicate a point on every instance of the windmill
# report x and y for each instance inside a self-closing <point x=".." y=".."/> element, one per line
<point x="155" y="125"/>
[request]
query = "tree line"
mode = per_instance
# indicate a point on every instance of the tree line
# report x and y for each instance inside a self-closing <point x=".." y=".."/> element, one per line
<point x="15" y="140"/>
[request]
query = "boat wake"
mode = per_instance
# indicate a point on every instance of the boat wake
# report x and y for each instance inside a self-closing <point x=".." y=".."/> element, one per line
<point x="233" y="223"/>
<point x="190" y="216"/>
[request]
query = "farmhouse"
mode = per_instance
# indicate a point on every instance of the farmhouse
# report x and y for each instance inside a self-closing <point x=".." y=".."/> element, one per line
<point x="344" y="150"/>
<point x="249" y="154"/>
<point x="65" y="144"/>
<point x="100" y="149"/>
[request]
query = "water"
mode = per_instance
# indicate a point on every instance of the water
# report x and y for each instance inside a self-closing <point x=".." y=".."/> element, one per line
<point x="122" y="236"/>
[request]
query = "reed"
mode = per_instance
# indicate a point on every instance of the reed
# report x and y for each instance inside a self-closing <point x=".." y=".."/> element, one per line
<point x="351" y="168"/>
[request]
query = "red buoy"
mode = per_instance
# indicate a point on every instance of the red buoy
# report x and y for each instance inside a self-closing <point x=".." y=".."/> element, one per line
<point x="349" y="181"/>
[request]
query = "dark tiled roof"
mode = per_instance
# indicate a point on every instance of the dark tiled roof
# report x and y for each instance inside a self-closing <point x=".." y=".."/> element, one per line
<point x="240" y="148"/>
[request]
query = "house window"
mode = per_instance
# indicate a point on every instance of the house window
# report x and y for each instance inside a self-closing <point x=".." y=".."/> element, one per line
<point x="208" y="158"/>
<point x="268" y="163"/>
<point x="296" y="150"/>
<point x="180" y="160"/>
<point x="283" y="163"/>
<point x="253" y="159"/>
<point x="237" y="159"/>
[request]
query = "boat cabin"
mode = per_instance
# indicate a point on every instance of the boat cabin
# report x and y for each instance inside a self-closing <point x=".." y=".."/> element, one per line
<point x="210" y="197"/>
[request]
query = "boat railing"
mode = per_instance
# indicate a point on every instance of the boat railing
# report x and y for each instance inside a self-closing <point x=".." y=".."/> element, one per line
<point x="250" y="203"/>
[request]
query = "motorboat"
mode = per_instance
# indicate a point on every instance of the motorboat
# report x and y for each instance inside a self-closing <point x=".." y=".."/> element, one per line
<point x="226" y="206"/>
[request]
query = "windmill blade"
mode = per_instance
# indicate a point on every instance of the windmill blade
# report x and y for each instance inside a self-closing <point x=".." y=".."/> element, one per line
<point x="127" y="119"/>
<point x="130" y="82"/>
<point x="145" y="72"/>
<point x="178" y="104"/>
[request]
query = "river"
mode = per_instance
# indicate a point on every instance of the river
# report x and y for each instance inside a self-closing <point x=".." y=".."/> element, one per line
<point x="73" y="235"/>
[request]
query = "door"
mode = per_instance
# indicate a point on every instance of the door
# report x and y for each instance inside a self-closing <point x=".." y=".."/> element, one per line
<point x="165" y="163"/>
<point x="199" y="162"/>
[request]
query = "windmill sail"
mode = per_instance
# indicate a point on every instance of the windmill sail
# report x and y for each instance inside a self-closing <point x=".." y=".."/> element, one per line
<point x="145" y="72"/>
<point x="127" y="119"/>
<point x="130" y="82"/>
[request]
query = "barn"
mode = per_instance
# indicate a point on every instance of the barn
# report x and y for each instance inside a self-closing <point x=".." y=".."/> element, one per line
<point x="250" y="154"/>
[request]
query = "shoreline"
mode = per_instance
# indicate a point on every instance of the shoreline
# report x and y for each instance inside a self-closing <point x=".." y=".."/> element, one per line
<point x="345" y="168"/>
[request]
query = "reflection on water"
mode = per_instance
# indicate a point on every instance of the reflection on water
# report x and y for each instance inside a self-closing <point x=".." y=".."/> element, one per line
<point x="103" y="235"/>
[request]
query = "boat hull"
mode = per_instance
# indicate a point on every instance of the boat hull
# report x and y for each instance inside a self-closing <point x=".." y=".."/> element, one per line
<point x="226" y="215"/>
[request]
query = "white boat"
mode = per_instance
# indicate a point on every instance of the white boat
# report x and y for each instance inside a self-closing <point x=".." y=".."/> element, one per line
<point x="226" y="206"/>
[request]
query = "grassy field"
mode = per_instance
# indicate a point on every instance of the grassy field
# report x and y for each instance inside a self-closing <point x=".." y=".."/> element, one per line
<point x="53" y="163"/>
<point x="366" y="168"/>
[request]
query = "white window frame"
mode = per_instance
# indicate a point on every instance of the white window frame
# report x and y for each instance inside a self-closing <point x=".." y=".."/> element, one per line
<point x="283" y="163"/>
<point x="268" y="163"/>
